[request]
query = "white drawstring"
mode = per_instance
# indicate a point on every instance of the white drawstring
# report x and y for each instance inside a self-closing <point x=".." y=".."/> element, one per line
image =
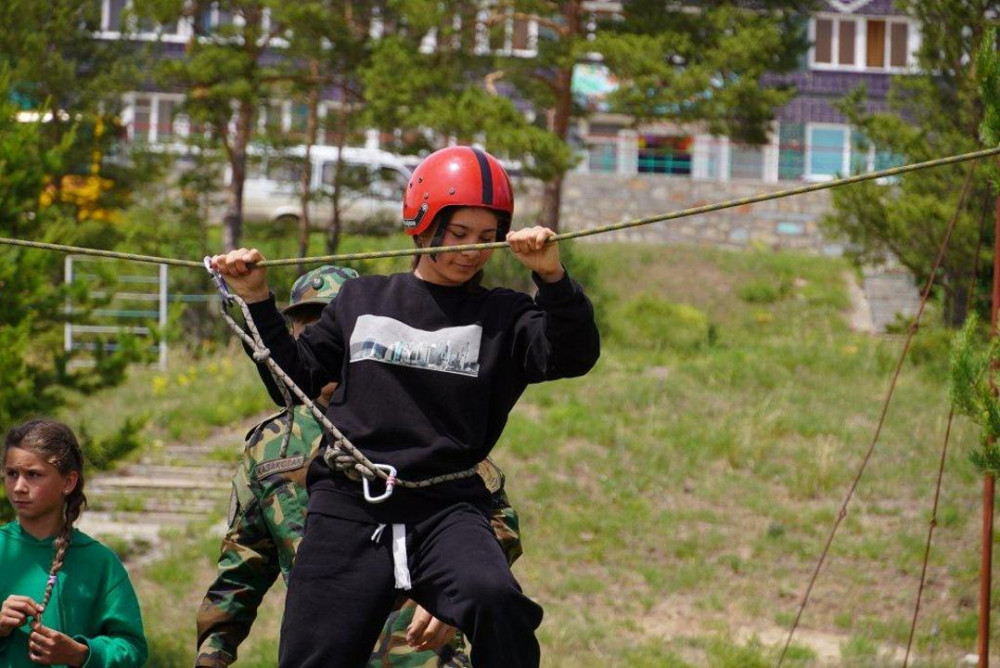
<point x="399" y="560"/>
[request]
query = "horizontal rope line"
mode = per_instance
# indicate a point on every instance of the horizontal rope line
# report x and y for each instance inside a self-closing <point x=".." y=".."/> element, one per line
<point x="754" y="199"/>
<point x="77" y="250"/>
<point x="673" y="215"/>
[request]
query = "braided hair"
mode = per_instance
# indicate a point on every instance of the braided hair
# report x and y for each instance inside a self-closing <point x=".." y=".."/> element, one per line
<point x="54" y="443"/>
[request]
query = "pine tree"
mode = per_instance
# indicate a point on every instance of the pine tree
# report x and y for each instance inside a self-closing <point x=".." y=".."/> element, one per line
<point x="227" y="75"/>
<point x="933" y="113"/>
<point x="685" y="62"/>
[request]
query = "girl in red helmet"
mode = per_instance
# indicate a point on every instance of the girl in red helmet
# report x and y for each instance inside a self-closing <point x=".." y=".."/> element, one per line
<point x="429" y="365"/>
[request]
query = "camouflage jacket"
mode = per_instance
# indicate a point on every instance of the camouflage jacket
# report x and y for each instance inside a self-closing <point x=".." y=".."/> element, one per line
<point x="266" y="521"/>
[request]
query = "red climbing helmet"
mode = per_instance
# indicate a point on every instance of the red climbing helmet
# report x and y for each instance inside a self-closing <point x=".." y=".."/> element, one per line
<point x="457" y="176"/>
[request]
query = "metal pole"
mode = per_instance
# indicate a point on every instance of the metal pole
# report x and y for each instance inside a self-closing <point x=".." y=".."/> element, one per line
<point x="163" y="317"/>
<point x="986" y="566"/>
<point x="68" y="327"/>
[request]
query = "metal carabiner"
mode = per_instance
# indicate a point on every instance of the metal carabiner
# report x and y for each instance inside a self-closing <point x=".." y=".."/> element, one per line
<point x="390" y="483"/>
<point x="220" y="283"/>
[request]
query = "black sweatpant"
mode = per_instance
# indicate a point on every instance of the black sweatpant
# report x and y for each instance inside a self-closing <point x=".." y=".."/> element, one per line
<point x="342" y="588"/>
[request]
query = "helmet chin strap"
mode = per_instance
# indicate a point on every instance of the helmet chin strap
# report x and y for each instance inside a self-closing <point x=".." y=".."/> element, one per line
<point x="437" y="239"/>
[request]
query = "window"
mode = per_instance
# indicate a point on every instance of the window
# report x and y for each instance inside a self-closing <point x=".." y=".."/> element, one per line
<point x="521" y="35"/>
<point x="888" y="44"/>
<point x="602" y="158"/>
<point x="388" y="184"/>
<point x="299" y="117"/>
<point x="284" y="170"/>
<point x="152" y="117"/>
<point x="212" y="18"/>
<point x="665" y="154"/>
<point x="899" y="44"/>
<point x="824" y="41"/>
<point x="119" y="16"/>
<point x="860" y="43"/>
<point x="827" y="151"/>
<point x="115" y="8"/>
<point x="508" y="36"/>
<point x="746" y="161"/>
<point x="791" y="151"/>
<point x="835" y="42"/>
<point x="164" y="119"/>
<point x="876" y="44"/>
<point x="142" y="113"/>
<point x="273" y="117"/>
<point x="846" y="51"/>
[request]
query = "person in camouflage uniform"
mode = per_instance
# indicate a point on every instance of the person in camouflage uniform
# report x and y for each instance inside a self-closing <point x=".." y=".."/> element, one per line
<point x="267" y="517"/>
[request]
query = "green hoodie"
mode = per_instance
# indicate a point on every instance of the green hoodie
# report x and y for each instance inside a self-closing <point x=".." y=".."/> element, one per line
<point x="93" y="600"/>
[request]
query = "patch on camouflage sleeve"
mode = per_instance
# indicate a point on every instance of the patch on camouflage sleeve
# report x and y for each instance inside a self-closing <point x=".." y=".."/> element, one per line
<point x="234" y="505"/>
<point x="491" y="475"/>
<point x="279" y="466"/>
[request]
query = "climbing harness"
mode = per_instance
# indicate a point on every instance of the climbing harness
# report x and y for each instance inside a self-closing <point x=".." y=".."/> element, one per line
<point x="341" y="455"/>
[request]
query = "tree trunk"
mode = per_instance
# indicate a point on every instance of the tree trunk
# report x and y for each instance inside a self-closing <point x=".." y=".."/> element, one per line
<point x="561" y="116"/>
<point x="957" y="302"/>
<point x="336" y="222"/>
<point x="312" y="129"/>
<point x="232" y="221"/>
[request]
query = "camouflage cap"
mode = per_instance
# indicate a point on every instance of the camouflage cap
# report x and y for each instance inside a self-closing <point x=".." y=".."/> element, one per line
<point x="319" y="286"/>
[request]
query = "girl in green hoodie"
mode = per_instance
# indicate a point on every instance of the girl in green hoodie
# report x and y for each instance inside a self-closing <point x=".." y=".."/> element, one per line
<point x="67" y="600"/>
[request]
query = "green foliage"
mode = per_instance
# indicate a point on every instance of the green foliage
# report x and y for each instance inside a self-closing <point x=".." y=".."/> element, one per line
<point x="988" y="75"/>
<point x="374" y="225"/>
<point x="972" y="394"/>
<point x="55" y="62"/>
<point x="724" y="49"/>
<point x="649" y="321"/>
<point x="33" y="294"/>
<point x="103" y="452"/>
<point x="726" y="655"/>
<point x="859" y="650"/>
<point x="764" y="292"/>
<point x="936" y="112"/>
<point x="931" y="347"/>
<point x="444" y="90"/>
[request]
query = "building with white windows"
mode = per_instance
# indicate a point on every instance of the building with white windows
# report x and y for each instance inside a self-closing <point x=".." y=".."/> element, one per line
<point x="853" y="42"/>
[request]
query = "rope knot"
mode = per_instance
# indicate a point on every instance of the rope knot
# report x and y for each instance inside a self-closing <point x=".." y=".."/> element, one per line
<point x="261" y="355"/>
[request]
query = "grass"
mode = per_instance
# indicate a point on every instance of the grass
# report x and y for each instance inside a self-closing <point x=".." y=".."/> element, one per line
<point x="196" y="394"/>
<point x="674" y="501"/>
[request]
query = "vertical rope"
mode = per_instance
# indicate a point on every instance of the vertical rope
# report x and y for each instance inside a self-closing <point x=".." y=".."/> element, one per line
<point x="925" y="296"/>
<point x="973" y="282"/>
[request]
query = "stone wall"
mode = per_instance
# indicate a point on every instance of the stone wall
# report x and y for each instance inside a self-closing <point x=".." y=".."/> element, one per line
<point x="592" y="200"/>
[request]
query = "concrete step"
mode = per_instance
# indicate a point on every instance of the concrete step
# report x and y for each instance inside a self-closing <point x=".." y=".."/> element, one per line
<point x="197" y="452"/>
<point x="890" y="293"/>
<point x="97" y="526"/>
<point x="145" y="482"/>
<point x="184" y="506"/>
<point x="209" y="470"/>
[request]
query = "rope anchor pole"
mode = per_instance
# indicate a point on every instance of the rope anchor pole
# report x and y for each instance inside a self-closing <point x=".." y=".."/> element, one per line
<point x="986" y="560"/>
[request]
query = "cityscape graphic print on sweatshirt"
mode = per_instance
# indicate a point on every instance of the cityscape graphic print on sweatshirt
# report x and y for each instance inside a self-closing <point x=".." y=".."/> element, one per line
<point x="387" y="340"/>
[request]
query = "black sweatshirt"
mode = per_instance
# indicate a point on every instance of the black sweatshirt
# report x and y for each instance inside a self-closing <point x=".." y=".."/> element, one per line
<point x="427" y="377"/>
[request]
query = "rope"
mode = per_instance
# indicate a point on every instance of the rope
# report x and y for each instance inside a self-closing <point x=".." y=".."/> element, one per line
<point x="132" y="257"/>
<point x="973" y="282"/>
<point x="341" y="455"/>
<point x="673" y="215"/>
<point x="885" y="409"/>
<point x="930" y="536"/>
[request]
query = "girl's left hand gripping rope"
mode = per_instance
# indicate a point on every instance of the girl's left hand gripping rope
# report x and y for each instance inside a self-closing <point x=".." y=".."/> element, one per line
<point x="220" y="283"/>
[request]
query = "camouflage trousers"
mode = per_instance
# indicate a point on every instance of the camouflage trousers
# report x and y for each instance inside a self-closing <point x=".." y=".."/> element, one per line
<point x="392" y="650"/>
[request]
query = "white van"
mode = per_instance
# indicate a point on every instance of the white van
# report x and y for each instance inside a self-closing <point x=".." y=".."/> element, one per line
<point x="373" y="184"/>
